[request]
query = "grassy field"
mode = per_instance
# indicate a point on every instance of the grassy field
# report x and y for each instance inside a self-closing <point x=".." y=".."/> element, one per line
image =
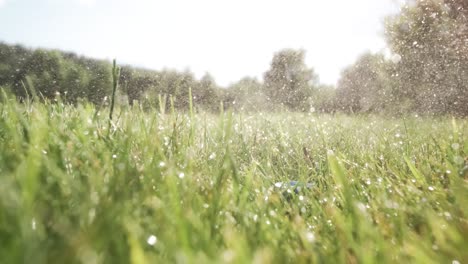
<point x="201" y="188"/>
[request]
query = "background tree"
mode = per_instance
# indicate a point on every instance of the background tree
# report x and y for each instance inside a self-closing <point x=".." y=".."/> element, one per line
<point x="205" y="94"/>
<point x="365" y="86"/>
<point x="430" y="37"/>
<point x="324" y="99"/>
<point x="289" y="82"/>
<point x="248" y="95"/>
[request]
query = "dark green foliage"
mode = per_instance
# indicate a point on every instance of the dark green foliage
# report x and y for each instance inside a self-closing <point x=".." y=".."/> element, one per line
<point x="53" y="73"/>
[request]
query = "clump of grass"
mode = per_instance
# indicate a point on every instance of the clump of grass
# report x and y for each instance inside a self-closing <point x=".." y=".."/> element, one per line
<point x="202" y="188"/>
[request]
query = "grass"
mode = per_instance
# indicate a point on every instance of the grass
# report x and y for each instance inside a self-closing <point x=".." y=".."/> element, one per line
<point x="201" y="188"/>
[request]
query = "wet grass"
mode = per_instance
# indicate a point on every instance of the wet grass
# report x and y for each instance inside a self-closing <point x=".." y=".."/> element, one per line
<point x="199" y="188"/>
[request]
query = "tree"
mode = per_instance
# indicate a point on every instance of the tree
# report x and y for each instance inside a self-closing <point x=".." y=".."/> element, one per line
<point x="247" y="95"/>
<point x="289" y="82"/>
<point x="45" y="71"/>
<point x="205" y="93"/>
<point x="430" y="37"/>
<point x="365" y="86"/>
<point x="11" y="61"/>
<point x="324" y="99"/>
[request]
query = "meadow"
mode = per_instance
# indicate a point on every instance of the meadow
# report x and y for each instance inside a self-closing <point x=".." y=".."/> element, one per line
<point x="194" y="187"/>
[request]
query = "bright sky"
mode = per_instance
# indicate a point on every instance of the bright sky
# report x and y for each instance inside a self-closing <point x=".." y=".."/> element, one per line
<point x="229" y="39"/>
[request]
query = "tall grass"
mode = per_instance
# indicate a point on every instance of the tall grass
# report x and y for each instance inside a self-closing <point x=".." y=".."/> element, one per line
<point x="203" y="188"/>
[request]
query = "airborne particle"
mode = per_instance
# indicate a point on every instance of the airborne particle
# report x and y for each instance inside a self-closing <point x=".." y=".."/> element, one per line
<point x="152" y="240"/>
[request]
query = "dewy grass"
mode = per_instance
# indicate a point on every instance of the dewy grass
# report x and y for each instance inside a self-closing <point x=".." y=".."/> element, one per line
<point x="201" y="188"/>
<point x="115" y="84"/>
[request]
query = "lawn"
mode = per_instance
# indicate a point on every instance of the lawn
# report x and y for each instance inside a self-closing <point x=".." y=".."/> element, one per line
<point x="153" y="187"/>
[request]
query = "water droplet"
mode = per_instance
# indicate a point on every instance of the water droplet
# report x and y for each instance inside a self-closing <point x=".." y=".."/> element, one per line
<point x="310" y="237"/>
<point x="458" y="160"/>
<point x="361" y="207"/>
<point x="152" y="240"/>
<point x="91" y="215"/>
<point x="212" y="156"/>
<point x="448" y="216"/>
<point x="228" y="256"/>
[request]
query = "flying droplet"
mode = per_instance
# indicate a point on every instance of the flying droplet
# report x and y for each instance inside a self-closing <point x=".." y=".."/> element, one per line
<point x="212" y="156"/>
<point x="152" y="240"/>
<point x="310" y="237"/>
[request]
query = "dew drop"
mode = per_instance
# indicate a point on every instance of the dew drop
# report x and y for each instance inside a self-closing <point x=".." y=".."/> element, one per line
<point x="310" y="237"/>
<point x="455" y="146"/>
<point x="181" y="175"/>
<point x="212" y="156"/>
<point x="152" y="240"/>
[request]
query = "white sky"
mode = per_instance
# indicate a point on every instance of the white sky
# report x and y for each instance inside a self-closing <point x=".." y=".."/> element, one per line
<point x="229" y="39"/>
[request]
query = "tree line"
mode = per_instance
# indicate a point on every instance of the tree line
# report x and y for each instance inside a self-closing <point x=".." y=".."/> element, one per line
<point x="426" y="72"/>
